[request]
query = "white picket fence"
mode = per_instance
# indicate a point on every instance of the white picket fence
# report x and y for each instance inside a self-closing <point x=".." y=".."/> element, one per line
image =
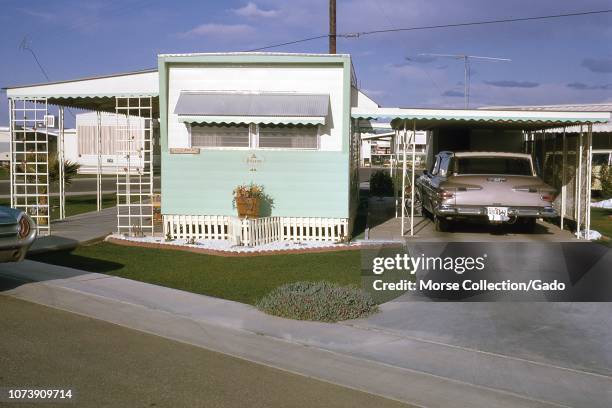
<point x="314" y="229"/>
<point x="255" y="231"/>
<point x="197" y="226"/>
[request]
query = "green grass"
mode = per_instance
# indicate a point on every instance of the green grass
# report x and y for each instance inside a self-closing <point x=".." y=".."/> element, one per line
<point x="75" y="204"/>
<point x="601" y="221"/>
<point x="243" y="279"/>
<point x="4" y="173"/>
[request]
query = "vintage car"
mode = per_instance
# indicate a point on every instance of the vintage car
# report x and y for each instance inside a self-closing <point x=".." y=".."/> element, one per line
<point x="17" y="232"/>
<point x="488" y="186"/>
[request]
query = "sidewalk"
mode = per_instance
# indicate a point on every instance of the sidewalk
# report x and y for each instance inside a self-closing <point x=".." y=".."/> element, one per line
<point x="407" y="369"/>
<point x="77" y="229"/>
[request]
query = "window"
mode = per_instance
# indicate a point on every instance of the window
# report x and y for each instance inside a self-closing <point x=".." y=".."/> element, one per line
<point x="87" y="138"/>
<point x="255" y="136"/>
<point x="220" y="136"/>
<point x="288" y="137"/>
<point x="601" y="159"/>
<point x="494" y="165"/>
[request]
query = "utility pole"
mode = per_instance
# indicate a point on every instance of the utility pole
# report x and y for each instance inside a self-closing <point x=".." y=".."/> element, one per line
<point x="466" y="67"/>
<point x="332" y="26"/>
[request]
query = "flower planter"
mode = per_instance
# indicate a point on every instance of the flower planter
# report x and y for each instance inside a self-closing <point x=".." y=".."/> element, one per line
<point x="247" y="207"/>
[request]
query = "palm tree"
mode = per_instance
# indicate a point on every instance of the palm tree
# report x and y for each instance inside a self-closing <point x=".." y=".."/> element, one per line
<point x="71" y="169"/>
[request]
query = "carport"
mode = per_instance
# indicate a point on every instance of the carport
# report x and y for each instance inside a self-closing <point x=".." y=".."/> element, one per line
<point x="485" y="129"/>
<point x="36" y="107"/>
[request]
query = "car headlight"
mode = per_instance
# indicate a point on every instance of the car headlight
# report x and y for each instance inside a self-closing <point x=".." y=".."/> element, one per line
<point x="24" y="227"/>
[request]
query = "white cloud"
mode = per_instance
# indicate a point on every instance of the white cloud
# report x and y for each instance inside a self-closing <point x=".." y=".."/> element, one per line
<point x="251" y="10"/>
<point x="215" y="29"/>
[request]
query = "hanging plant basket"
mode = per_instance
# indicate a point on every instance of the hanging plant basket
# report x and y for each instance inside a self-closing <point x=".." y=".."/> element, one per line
<point x="247" y="207"/>
<point x="247" y="199"/>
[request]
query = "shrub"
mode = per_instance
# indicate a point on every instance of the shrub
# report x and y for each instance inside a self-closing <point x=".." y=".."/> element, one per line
<point x="605" y="178"/>
<point x="320" y="301"/>
<point x="381" y="184"/>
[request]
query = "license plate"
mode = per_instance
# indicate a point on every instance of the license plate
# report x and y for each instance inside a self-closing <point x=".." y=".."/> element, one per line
<point x="497" y="213"/>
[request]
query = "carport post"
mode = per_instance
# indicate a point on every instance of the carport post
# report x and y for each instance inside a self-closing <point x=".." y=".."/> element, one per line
<point x="403" y="178"/>
<point x="563" y="178"/>
<point x="577" y="199"/>
<point x="589" y="175"/>
<point x="61" y="163"/>
<point x="413" y="140"/>
<point x="11" y="161"/>
<point x="393" y="170"/>
<point x="99" y="169"/>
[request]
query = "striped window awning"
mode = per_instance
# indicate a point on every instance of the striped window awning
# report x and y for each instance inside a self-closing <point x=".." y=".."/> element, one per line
<point x="260" y="108"/>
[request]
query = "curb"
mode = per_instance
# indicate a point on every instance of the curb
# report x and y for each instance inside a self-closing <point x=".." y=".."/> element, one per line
<point x="65" y="246"/>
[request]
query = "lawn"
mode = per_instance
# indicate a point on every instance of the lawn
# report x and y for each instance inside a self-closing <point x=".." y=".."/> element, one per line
<point x="243" y="279"/>
<point x="601" y="221"/>
<point x="75" y="204"/>
<point x="4" y="173"/>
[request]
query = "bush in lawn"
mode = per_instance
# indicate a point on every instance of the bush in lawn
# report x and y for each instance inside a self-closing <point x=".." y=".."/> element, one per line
<point x="605" y="178"/>
<point x="320" y="301"/>
<point x="381" y="184"/>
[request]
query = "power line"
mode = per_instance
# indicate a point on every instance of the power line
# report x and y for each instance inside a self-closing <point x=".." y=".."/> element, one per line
<point x="318" y="37"/>
<point x="467" y="24"/>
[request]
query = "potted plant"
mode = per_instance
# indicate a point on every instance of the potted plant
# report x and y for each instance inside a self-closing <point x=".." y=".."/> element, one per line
<point x="247" y="198"/>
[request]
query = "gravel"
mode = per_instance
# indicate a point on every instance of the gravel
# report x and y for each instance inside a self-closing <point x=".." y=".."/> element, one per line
<point x="226" y="246"/>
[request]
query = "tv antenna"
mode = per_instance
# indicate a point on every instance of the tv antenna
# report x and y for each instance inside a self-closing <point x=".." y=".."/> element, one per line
<point x="466" y="63"/>
<point x="25" y="46"/>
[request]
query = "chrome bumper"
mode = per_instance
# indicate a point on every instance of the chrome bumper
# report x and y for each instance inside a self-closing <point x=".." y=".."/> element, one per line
<point x="448" y="210"/>
<point x="13" y="249"/>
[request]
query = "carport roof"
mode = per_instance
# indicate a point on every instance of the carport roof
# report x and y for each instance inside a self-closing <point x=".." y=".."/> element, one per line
<point x="92" y="93"/>
<point x="425" y="119"/>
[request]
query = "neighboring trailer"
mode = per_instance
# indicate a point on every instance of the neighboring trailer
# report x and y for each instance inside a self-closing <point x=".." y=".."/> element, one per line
<point x="83" y="147"/>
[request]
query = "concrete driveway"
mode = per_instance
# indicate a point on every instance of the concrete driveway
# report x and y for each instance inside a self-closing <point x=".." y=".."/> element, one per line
<point x="573" y="336"/>
<point x="384" y="226"/>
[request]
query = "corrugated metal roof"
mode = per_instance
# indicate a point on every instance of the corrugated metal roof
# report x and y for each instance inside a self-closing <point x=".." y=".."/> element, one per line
<point x="261" y="120"/>
<point x="519" y="119"/>
<point x="597" y="128"/>
<point x="578" y="107"/>
<point x="290" y="54"/>
<point x="144" y="71"/>
<point x="252" y="104"/>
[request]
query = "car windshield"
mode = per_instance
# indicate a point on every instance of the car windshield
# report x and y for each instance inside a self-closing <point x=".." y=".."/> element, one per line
<point x="494" y="165"/>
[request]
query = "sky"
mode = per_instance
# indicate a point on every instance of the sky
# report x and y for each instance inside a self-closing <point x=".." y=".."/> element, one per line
<point x="566" y="60"/>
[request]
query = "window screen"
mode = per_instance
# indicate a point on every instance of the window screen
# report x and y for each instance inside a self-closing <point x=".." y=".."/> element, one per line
<point x="220" y="136"/>
<point x="288" y="137"/>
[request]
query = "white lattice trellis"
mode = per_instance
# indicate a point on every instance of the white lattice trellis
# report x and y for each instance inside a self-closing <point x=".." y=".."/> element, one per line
<point x="30" y="159"/>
